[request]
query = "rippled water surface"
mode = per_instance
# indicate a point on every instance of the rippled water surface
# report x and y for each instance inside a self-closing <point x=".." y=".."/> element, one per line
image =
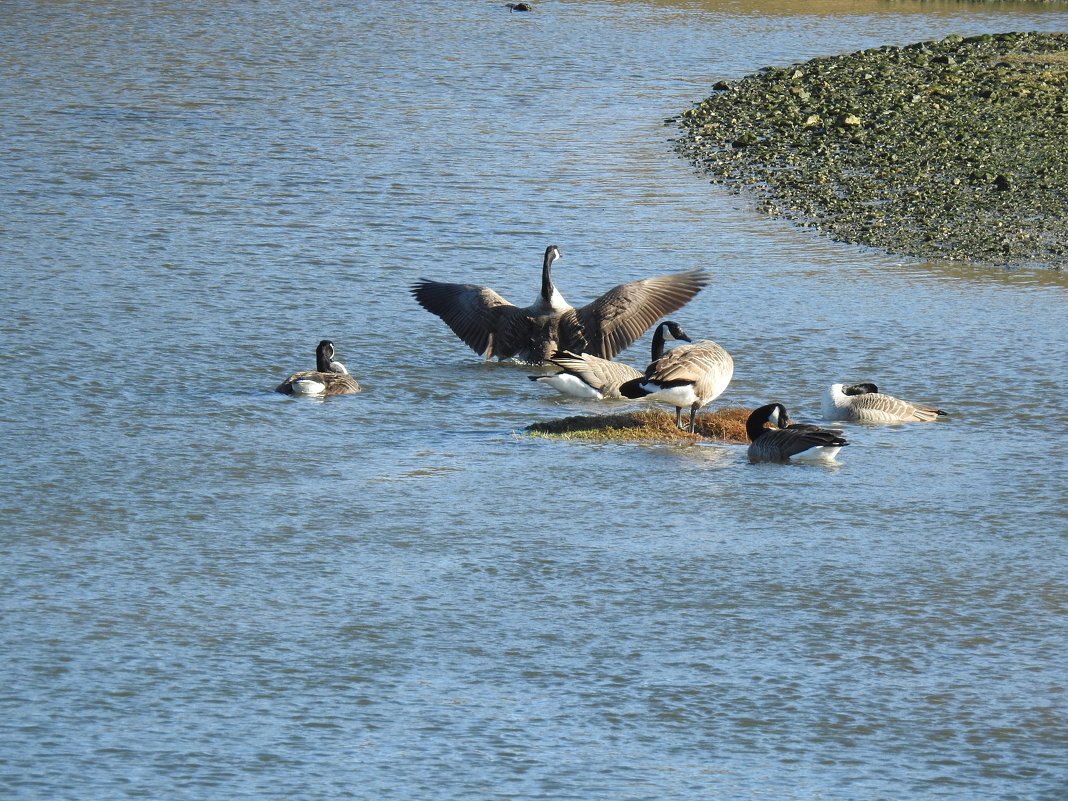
<point x="213" y="591"/>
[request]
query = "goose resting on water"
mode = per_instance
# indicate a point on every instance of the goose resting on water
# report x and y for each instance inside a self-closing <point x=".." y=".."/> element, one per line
<point x="592" y="378"/>
<point x="689" y="375"/>
<point x="774" y="438"/>
<point x="864" y="403"/>
<point x="328" y="378"/>
<point x="493" y="327"/>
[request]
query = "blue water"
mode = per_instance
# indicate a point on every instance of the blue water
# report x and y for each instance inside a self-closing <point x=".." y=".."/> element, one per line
<point x="209" y="589"/>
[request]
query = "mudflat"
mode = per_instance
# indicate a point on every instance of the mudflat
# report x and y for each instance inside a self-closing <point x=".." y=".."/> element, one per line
<point x="951" y="150"/>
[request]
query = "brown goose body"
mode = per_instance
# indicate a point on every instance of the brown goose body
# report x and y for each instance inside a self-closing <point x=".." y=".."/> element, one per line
<point x="328" y="378"/>
<point x="318" y="384"/>
<point x="591" y="377"/>
<point x="865" y="404"/>
<point x="493" y="327"/>
<point x="687" y="376"/>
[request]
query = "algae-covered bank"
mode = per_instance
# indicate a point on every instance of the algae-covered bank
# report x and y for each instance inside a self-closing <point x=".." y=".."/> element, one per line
<point x="725" y="425"/>
<point x="956" y="149"/>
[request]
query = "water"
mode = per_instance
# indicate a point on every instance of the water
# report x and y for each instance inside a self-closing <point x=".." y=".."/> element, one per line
<point x="212" y="590"/>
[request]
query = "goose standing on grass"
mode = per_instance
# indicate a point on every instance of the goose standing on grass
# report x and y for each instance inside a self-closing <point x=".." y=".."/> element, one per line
<point x="592" y="378"/>
<point x="773" y="438"/>
<point x="864" y="403"/>
<point x="493" y="327"/>
<point x="328" y="378"/>
<point x="689" y="375"/>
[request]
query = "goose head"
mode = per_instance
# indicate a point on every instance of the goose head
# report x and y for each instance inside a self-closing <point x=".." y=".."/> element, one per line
<point x="860" y="389"/>
<point x="324" y="352"/>
<point x="675" y="330"/>
<point x="324" y="358"/>
<point x="668" y="329"/>
<point x="772" y="416"/>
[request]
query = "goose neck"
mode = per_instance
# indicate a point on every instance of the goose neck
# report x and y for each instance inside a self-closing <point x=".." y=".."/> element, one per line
<point x="658" y="341"/>
<point x="323" y="354"/>
<point x="547" y="288"/>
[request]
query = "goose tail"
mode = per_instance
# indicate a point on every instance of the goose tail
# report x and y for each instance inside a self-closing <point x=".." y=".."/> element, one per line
<point x="634" y="389"/>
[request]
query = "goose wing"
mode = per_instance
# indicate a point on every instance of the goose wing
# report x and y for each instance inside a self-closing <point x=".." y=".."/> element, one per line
<point x="880" y="404"/>
<point x="601" y="374"/>
<point x="782" y="443"/>
<point x="490" y="325"/>
<point x="341" y="384"/>
<point x="622" y="314"/>
<point x="689" y="363"/>
<point x="334" y="383"/>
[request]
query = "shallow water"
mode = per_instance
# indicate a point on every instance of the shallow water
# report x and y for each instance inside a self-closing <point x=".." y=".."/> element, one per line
<point x="210" y="589"/>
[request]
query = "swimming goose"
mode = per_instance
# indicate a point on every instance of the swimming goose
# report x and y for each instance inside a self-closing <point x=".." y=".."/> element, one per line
<point x="774" y="438"/>
<point x="493" y="327"/>
<point x="328" y="378"/>
<point x="689" y="375"/>
<point x="864" y="403"/>
<point x="592" y="378"/>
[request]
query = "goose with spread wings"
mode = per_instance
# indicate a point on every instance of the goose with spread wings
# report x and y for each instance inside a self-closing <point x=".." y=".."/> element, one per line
<point x="493" y="327"/>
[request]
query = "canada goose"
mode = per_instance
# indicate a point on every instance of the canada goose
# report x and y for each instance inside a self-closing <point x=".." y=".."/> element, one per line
<point x="864" y="403"/>
<point x="519" y="7"/>
<point x="689" y="375"/>
<point x="491" y="326"/>
<point x="592" y="378"/>
<point x="774" y="438"/>
<point x="328" y="378"/>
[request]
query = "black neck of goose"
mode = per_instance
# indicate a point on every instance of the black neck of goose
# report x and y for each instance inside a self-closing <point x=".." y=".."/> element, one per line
<point x="546" y="277"/>
<point x="658" y="341"/>
<point x="323" y="355"/>
<point x="754" y="427"/>
<point x="757" y="422"/>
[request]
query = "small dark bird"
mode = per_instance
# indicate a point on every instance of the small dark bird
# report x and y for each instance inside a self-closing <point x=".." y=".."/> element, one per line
<point x="519" y="7"/>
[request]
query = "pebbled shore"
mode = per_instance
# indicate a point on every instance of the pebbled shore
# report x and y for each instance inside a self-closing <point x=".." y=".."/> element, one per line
<point x="949" y="150"/>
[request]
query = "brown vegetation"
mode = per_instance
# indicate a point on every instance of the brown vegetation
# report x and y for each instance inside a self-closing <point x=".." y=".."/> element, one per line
<point x="648" y="425"/>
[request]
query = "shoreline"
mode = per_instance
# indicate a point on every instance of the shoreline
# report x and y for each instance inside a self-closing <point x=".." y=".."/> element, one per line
<point x="949" y="150"/>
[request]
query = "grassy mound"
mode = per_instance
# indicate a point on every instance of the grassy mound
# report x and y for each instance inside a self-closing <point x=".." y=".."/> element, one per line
<point x="940" y="150"/>
<point x="648" y="425"/>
